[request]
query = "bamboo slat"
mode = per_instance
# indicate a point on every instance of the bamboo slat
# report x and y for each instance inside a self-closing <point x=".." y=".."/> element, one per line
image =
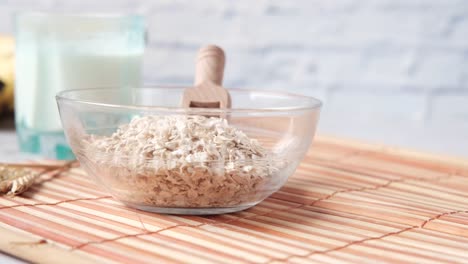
<point x="348" y="202"/>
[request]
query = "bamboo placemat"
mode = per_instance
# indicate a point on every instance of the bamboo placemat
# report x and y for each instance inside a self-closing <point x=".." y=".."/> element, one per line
<point x="347" y="202"/>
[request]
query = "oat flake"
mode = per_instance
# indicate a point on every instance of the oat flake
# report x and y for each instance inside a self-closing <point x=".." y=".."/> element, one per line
<point x="182" y="161"/>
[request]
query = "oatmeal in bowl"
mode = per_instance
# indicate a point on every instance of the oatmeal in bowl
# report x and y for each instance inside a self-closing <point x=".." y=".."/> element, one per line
<point x="183" y="161"/>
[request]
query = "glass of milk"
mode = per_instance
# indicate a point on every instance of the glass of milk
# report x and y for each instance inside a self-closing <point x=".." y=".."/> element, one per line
<point x="55" y="52"/>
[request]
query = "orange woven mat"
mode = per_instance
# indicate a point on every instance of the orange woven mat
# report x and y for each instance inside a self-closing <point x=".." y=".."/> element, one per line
<point x="347" y="202"/>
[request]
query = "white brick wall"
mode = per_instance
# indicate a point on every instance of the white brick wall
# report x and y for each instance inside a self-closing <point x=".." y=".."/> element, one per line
<point x="388" y="70"/>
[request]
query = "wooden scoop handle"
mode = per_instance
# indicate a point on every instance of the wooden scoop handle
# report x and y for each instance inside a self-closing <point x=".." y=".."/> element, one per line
<point x="210" y="65"/>
<point x="208" y="92"/>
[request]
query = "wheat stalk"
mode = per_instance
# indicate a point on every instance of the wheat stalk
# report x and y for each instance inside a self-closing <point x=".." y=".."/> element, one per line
<point x="16" y="178"/>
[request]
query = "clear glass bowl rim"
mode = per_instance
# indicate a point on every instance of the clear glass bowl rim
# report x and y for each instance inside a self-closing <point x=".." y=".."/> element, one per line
<point x="310" y="104"/>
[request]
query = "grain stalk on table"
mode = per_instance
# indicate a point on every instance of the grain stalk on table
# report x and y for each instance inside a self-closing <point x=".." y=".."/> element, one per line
<point x="16" y="178"/>
<point x="14" y="181"/>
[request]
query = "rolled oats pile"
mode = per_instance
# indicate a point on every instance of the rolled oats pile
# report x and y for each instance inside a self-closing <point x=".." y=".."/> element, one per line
<point x="182" y="161"/>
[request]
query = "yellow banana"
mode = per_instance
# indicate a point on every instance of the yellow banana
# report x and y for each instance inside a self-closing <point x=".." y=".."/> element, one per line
<point x="7" y="73"/>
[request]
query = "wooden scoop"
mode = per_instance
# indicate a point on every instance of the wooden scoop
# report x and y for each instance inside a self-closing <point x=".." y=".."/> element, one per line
<point x="208" y="92"/>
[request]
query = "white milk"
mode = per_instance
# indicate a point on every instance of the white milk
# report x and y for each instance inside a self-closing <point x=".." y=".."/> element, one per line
<point x="36" y="106"/>
<point x="56" y="52"/>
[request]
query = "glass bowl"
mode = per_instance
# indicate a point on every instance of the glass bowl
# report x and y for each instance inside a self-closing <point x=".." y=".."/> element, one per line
<point x="279" y="126"/>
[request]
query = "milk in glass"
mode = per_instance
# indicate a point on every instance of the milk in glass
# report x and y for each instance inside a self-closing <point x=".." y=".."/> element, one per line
<point x="59" y="52"/>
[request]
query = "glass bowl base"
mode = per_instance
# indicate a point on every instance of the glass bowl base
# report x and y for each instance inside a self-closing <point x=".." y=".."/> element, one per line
<point x="190" y="210"/>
